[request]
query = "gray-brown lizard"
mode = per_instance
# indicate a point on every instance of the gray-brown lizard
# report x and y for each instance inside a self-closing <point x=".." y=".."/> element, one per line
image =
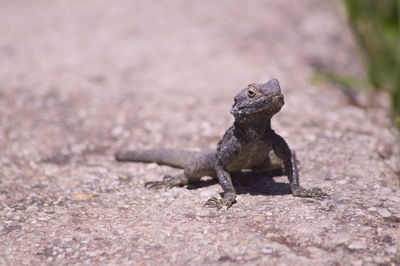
<point x="249" y="144"/>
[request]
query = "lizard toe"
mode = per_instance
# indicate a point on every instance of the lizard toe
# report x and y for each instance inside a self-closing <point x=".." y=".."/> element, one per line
<point x="168" y="178"/>
<point x="213" y="203"/>
<point x="299" y="191"/>
<point x="155" y="185"/>
<point x="318" y="193"/>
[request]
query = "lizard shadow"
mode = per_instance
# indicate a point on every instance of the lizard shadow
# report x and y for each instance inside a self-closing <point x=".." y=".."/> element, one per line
<point x="250" y="183"/>
<point x="253" y="184"/>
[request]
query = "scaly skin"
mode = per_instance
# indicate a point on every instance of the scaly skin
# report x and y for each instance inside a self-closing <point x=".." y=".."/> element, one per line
<point x="249" y="144"/>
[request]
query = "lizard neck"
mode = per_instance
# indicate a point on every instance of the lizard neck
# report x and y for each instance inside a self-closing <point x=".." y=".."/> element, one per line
<point x="252" y="129"/>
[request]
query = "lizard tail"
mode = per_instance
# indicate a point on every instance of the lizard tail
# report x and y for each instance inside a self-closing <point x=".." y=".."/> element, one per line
<point x="175" y="158"/>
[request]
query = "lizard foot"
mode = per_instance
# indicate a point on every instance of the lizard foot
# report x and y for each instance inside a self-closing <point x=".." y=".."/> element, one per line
<point x="167" y="182"/>
<point x="155" y="185"/>
<point x="227" y="201"/>
<point x="299" y="191"/>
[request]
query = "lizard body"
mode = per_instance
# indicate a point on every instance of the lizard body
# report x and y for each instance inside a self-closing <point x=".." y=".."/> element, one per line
<point x="249" y="144"/>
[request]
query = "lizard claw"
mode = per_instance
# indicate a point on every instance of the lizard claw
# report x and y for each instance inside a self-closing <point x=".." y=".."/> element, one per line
<point x="213" y="203"/>
<point x="167" y="182"/>
<point x="219" y="203"/>
<point x="155" y="185"/>
<point x="299" y="191"/>
<point x="168" y="179"/>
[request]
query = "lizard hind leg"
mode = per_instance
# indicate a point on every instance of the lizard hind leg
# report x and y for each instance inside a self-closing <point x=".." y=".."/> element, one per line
<point x="168" y="182"/>
<point x="202" y="165"/>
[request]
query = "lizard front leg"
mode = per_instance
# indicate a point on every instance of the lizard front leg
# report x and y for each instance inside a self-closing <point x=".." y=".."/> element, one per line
<point x="229" y="191"/>
<point x="224" y="156"/>
<point x="283" y="151"/>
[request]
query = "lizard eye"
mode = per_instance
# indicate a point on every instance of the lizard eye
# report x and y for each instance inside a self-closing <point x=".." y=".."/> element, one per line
<point x="251" y="92"/>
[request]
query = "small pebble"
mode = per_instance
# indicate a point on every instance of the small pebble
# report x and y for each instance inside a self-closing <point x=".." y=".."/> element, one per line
<point x="266" y="250"/>
<point x="384" y="213"/>
<point x="359" y="244"/>
<point x="202" y="211"/>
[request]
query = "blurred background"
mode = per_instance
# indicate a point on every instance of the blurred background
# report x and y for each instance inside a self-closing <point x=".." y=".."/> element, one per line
<point x="376" y="27"/>
<point x="87" y="77"/>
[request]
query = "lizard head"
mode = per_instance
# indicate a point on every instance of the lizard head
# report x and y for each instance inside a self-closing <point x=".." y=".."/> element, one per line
<point x="264" y="99"/>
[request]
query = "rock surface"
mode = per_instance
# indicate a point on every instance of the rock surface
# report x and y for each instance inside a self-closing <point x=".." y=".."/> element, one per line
<point x="79" y="79"/>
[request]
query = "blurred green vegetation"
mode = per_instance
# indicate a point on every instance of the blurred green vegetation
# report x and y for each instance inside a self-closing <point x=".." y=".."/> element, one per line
<point x="376" y="25"/>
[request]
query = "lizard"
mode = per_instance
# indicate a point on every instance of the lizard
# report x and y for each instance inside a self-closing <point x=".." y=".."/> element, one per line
<point x="249" y="144"/>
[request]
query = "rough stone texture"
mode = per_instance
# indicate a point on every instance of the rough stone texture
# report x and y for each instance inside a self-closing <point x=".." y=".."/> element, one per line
<point x="79" y="79"/>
